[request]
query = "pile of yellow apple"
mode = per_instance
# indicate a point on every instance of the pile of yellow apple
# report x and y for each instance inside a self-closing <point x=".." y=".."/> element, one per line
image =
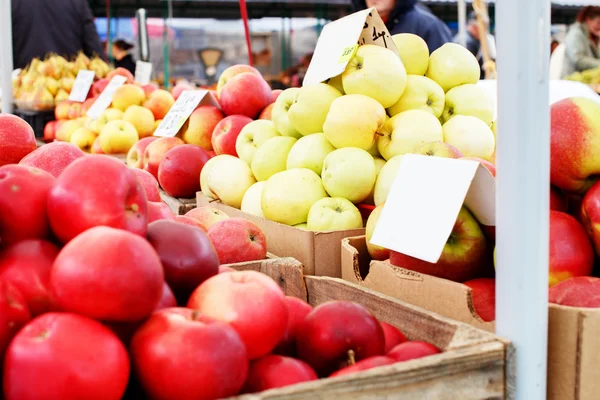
<point x="42" y="84"/>
<point x="331" y="146"/>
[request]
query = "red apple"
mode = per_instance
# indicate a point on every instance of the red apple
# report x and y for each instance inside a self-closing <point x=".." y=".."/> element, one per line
<point x="571" y="254"/>
<point x="96" y="190"/>
<point x="157" y="210"/>
<point x="232" y="71"/>
<point x="159" y="102"/>
<point x="182" y="219"/>
<point x="192" y="261"/>
<point x="249" y="301"/>
<point x="363" y="365"/>
<point x="488" y="165"/>
<point x="53" y="157"/>
<point x="123" y="72"/>
<point x="201" y="125"/>
<point x="438" y="149"/>
<point x="156" y="150"/>
<point x="96" y="149"/>
<point x="581" y="291"/>
<point x="238" y="240"/>
<point x="245" y="94"/>
<point x="393" y="336"/>
<point x="87" y="105"/>
<point x="16" y="139"/>
<point x="149" y="184"/>
<point x="297" y="310"/>
<point x="135" y="156"/>
<point x="97" y="88"/>
<point x="181" y="354"/>
<point x="50" y="131"/>
<point x="27" y="266"/>
<point x="179" y="171"/>
<point x="207" y="216"/>
<point x="67" y="356"/>
<point x="483" y="291"/>
<point x="338" y="333"/>
<point x="411" y="350"/>
<point x="272" y="371"/>
<point x="23" y="194"/>
<point x="13" y="315"/>
<point x="149" y="88"/>
<point x="266" y="113"/>
<point x="62" y="109"/>
<point x="180" y="88"/>
<point x="108" y="274"/>
<point x="275" y="93"/>
<point x="74" y="111"/>
<point x="464" y="255"/>
<point x="226" y="132"/>
<point x="558" y="200"/>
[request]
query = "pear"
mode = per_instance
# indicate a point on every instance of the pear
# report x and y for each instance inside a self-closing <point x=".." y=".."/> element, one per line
<point x="61" y="95"/>
<point x="43" y="99"/>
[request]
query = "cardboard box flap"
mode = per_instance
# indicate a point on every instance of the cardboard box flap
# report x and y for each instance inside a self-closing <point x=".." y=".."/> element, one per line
<point x="424" y="202"/>
<point x="339" y="40"/>
<point x="589" y="353"/>
<point x="182" y="109"/>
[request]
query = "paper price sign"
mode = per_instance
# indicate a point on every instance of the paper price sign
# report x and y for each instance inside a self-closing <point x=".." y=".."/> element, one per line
<point x="180" y="112"/>
<point x="82" y="85"/>
<point x="105" y="98"/>
<point x="143" y="72"/>
<point x="348" y="54"/>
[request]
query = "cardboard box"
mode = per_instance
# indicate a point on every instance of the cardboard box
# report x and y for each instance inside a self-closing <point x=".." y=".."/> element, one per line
<point x="474" y="365"/>
<point x="319" y="252"/>
<point x="178" y="206"/>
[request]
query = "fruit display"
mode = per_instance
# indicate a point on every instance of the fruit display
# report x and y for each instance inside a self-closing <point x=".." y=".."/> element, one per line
<point x="45" y="83"/>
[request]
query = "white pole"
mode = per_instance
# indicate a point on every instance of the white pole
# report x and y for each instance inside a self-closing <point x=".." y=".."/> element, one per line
<point x="462" y="23"/>
<point x="6" y="56"/>
<point x="522" y="196"/>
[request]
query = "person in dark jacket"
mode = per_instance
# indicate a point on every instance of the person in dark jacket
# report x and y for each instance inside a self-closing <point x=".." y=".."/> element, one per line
<point x="64" y="27"/>
<point x="123" y="59"/>
<point x="404" y="16"/>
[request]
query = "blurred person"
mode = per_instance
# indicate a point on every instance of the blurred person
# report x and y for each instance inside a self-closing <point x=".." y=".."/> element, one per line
<point x="404" y="16"/>
<point x="123" y="58"/>
<point x="473" y="43"/>
<point x="582" y="40"/>
<point x="64" y="27"/>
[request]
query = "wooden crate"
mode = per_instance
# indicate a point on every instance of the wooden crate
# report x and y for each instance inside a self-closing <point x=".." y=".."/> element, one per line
<point x="474" y="365"/>
<point x="178" y="206"/>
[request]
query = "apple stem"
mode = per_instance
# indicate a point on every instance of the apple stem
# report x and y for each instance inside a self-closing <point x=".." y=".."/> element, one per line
<point x="351" y="359"/>
<point x="379" y="134"/>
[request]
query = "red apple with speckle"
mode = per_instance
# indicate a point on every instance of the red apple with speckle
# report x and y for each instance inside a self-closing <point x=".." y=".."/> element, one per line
<point x="149" y="184"/>
<point x="16" y="139"/>
<point x="483" y="291"/>
<point x="226" y="133"/>
<point x="581" y="291"/>
<point x="238" y="240"/>
<point x="179" y="171"/>
<point x="158" y="210"/>
<point x="13" y="314"/>
<point x="53" y="157"/>
<point x="297" y="311"/>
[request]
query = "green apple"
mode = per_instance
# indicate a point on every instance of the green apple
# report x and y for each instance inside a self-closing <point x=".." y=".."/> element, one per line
<point x="414" y="52"/>
<point x="271" y="157"/>
<point x="438" y="149"/>
<point x="336" y="82"/>
<point x="375" y="72"/>
<point x="279" y="114"/>
<point x="374" y="150"/>
<point x="354" y="121"/>
<point x="406" y="131"/>
<point x="226" y="178"/>
<point x="334" y="214"/>
<point x="252" y="198"/>
<point x="307" y="114"/>
<point x="303" y="226"/>
<point x="453" y="65"/>
<point x="309" y="152"/>
<point x="421" y="94"/>
<point x="471" y="136"/>
<point x="386" y="178"/>
<point x="252" y="136"/>
<point x="349" y="173"/>
<point x="469" y="99"/>
<point x="376" y="252"/>
<point x="288" y="195"/>
<point x="379" y="163"/>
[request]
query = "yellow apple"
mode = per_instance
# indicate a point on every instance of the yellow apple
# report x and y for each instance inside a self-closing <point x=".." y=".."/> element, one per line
<point x="271" y="157"/>
<point x="414" y="52"/>
<point x="376" y="252"/>
<point x="252" y="198"/>
<point x="128" y="95"/>
<point x="66" y="130"/>
<point x="471" y="136"/>
<point x="307" y="114"/>
<point x="83" y="138"/>
<point x="279" y="114"/>
<point x="376" y="72"/>
<point x="349" y="173"/>
<point x="386" y="178"/>
<point x="303" y="226"/>
<point x="493" y="128"/>
<point x="421" y="94"/>
<point x="252" y="136"/>
<point x="113" y="114"/>
<point x="288" y="195"/>
<point x="452" y="65"/>
<point x="117" y="137"/>
<point x="406" y="131"/>
<point x="226" y="178"/>
<point x="470" y="100"/>
<point x="353" y="121"/>
<point x="379" y="163"/>
<point x="336" y="82"/>
<point x="309" y="152"/>
<point x="142" y="120"/>
<point x="333" y="214"/>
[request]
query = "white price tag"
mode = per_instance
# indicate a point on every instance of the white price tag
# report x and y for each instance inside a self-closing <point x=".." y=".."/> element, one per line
<point x="105" y="99"/>
<point x="143" y="72"/>
<point x="82" y="85"/>
<point x="181" y="111"/>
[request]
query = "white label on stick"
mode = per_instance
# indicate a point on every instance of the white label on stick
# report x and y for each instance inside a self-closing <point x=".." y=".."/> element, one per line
<point x="143" y="72"/>
<point x="82" y="85"/>
<point x="105" y="99"/>
<point x="180" y="112"/>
